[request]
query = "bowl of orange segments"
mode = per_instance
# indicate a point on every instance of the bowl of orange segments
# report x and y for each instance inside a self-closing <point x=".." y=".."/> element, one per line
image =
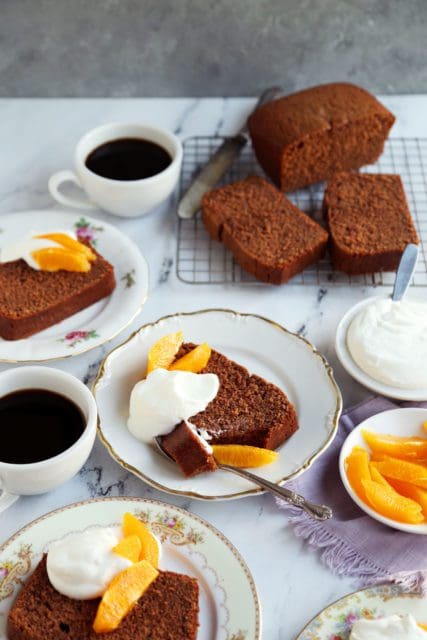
<point x="383" y="466"/>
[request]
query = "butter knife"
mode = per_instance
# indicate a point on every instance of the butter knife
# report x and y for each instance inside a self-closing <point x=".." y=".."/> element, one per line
<point x="405" y="271"/>
<point x="221" y="160"/>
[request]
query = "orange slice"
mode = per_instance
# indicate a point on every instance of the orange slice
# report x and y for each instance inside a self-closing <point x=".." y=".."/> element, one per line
<point x="423" y="626"/>
<point x="149" y="545"/>
<point x="357" y="469"/>
<point x="240" y="455"/>
<point x="194" y="361"/>
<point x="163" y="352"/>
<point x="411" y="491"/>
<point x="390" y="504"/>
<point x="57" y="258"/>
<point x="398" y="469"/>
<point x="407" y="448"/>
<point x="122" y="594"/>
<point x="377" y="477"/>
<point x="70" y="243"/>
<point x="129" y="547"/>
<point x="425" y="426"/>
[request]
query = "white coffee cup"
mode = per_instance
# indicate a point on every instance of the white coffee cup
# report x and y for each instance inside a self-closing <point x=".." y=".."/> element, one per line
<point x="38" y="477"/>
<point x="126" y="198"/>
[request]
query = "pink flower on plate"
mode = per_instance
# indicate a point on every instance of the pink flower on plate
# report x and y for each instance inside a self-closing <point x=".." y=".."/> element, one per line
<point x="85" y="233"/>
<point x="4" y="571"/>
<point x="170" y="522"/>
<point x="76" y="335"/>
<point x="351" y="618"/>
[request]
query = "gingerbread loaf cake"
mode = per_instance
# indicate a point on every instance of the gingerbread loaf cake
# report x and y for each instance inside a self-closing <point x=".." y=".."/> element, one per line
<point x="268" y="235"/>
<point x="189" y="450"/>
<point x="32" y="300"/>
<point x="369" y="222"/>
<point x="168" y="609"/>
<point x="308" y="136"/>
<point x="246" y="410"/>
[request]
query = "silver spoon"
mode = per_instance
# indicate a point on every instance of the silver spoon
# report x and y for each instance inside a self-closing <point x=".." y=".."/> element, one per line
<point x="405" y="271"/>
<point x="316" y="511"/>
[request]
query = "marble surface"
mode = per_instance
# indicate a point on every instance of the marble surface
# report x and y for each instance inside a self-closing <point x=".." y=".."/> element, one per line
<point x="38" y="137"/>
<point x="201" y="48"/>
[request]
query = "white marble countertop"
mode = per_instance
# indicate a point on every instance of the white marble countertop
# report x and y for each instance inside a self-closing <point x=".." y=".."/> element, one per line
<point x="38" y="138"/>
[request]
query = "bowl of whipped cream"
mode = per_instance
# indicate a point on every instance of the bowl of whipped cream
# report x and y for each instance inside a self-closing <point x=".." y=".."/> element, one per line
<point x="383" y="345"/>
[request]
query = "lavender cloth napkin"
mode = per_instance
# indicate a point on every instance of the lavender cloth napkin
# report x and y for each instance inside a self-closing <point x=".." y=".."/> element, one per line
<point x="352" y="543"/>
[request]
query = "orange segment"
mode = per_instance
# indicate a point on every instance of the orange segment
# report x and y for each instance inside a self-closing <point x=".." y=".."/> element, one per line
<point x="423" y="626"/>
<point x="194" y="361"/>
<point x="149" y="545"/>
<point x="122" y="594"/>
<point x="377" y="477"/>
<point x="56" y="258"/>
<point x="70" y="243"/>
<point x="357" y="469"/>
<point x="408" y="448"/>
<point x="403" y="470"/>
<point x="390" y="504"/>
<point x="425" y="426"/>
<point x="163" y="352"/>
<point x="129" y="547"/>
<point x="240" y="455"/>
<point x="411" y="491"/>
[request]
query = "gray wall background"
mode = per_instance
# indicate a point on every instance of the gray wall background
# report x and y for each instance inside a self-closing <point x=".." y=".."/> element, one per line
<point x="116" y="48"/>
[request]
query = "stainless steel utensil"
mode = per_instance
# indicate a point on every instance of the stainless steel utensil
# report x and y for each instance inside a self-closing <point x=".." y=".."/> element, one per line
<point x="316" y="511"/>
<point x="405" y="271"/>
<point x="218" y="164"/>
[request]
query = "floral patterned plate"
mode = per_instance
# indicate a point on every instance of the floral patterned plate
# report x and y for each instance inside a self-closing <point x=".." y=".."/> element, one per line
<point x="101" y="321"/>
<point x="229" y="606"/>
<point x="335" y="622"/>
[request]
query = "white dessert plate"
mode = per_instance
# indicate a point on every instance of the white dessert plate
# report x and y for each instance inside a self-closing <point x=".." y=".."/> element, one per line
<point x="336" y="620"/>
<point x="397" y="422"/>
<point x="357" y="373"/>
<point x="101" y="321"/>
<point x="229" y="605"/>
<point x="265" y="348"/>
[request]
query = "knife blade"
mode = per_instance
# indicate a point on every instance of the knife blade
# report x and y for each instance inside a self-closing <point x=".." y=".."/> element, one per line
<point x="218" y="164"/>
<point x="405" y="271"/>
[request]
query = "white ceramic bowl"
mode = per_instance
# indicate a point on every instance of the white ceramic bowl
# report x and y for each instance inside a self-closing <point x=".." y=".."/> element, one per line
<point x="398" y="422"/>
<point x="346" y="359"/>
<point x="39" y="477"/>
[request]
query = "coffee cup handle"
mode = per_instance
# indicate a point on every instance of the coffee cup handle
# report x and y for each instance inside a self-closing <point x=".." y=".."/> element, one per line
<point x="54" y="184"/>
<point x="7" y="499"/>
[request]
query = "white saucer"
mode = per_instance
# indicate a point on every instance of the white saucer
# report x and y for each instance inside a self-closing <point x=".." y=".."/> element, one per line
<point x="398" y="422"/>
<point x="357" y="373"/>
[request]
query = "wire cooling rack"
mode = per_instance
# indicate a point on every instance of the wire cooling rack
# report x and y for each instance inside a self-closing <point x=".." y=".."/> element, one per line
<point x="201" y="260"/>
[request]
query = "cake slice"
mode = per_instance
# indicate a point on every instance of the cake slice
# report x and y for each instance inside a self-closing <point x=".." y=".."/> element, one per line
<point x="189" y="450"/>
<point x="32" y="300"/>
<point x="267" y="234"/>
<point x="309" y="135"/>
<point x="168" y="609"/>
<point x="369" y="222"/>
<point x="246" y="410"/>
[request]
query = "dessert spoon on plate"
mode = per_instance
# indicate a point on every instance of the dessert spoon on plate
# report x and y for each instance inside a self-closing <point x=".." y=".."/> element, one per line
<point x="316" y="511"/>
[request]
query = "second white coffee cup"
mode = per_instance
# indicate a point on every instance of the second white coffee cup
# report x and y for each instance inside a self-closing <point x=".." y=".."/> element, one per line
<point x="126" y="198"/>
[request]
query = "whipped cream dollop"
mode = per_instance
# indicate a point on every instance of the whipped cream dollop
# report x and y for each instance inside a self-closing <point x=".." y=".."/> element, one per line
<point x="24" y="248"/>
<point x="388" y="340"/>
<point x="165" y="398"/>
<point x="388" y="628"/>
<point x="82" y="565"/>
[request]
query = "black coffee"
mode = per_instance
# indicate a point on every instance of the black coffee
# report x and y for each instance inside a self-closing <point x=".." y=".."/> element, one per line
<point x="36" y="424"/>
<point x="128" y="159"/>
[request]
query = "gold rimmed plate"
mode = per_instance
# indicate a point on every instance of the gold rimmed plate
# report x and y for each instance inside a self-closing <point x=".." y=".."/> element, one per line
<point x="265" y="348"/>
<point x="103" y="320"/>
<point x="228" y="600"/>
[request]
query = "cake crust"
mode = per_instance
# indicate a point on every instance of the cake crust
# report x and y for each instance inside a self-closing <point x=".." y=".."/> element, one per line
<point x="268" y="235"/>
<point x="307" y="136"/>
<point x="369" y="221"/>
